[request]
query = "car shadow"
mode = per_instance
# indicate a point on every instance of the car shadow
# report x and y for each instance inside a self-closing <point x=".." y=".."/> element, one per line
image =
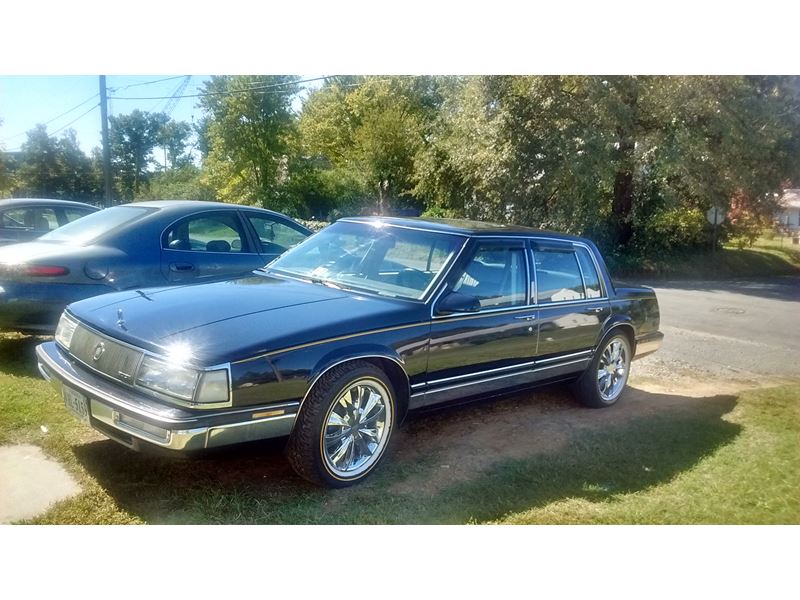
<point x="18" y="353"/>
<point x="477" y="462"/>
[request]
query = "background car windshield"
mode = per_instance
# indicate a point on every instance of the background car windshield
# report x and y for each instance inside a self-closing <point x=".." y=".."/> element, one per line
<point x="90" y="228"/>
<point x="382" y="259"/>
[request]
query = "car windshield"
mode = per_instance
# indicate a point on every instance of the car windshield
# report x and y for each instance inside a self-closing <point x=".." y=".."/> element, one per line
<point x="90" y="228"/>
<point x="373" y="257"/>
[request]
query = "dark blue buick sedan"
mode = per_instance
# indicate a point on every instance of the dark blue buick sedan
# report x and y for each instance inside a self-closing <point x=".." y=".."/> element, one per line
<point x="137" y="245"/>
<point x="333" y="343"/>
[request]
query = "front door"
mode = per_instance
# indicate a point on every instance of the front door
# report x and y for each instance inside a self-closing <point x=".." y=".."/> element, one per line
<point x="477" y="353"/>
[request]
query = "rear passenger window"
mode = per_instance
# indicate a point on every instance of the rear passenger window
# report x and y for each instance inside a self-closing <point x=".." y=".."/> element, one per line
<point x="590" y="278"/>
<point x="72" y="214"/>
<point x="496" y="275"/>
<point x="558" y="277"/>
<point x="206" y="233"/>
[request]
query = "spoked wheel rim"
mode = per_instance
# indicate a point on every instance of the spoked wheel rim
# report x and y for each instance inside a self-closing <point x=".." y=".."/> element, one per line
<point x="357" y="428"/>
<point x="612" y="370"/>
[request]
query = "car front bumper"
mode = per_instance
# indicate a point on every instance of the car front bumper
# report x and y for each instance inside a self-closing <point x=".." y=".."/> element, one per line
<point x="133" y="419"/>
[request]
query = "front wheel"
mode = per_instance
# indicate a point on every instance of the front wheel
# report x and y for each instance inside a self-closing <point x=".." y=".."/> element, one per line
<point x="344" y="425"/>
<point x="602" y="383"/>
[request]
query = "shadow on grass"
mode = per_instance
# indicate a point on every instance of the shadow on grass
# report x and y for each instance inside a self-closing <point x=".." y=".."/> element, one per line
<point x="254" y="483"/>
<point x="18" y="353"/>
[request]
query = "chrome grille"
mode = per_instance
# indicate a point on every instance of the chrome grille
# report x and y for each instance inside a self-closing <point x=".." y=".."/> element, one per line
<point x="105" y="355"/>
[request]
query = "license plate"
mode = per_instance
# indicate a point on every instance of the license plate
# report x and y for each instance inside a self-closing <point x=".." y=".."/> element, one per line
<point x="77" y="404"/>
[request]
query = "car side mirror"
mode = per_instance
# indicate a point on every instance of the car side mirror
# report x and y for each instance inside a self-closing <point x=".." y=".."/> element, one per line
<point x="454" y="302"/>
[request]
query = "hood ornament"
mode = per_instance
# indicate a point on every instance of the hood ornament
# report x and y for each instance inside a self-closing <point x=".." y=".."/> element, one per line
<point x="121" y="320"/>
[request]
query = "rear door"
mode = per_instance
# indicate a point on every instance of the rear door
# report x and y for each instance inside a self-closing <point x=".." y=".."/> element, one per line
<point x="573" y="306"/>
<point x="206" y="245"/>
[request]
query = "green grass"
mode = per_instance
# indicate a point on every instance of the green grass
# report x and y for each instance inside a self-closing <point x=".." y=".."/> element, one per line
<point x="722" y="459"/>
<point x="766" y="258"/>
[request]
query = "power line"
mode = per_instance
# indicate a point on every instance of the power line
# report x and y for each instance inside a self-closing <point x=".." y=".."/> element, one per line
<point x="125" y="87"/>
<point x="74" y="120"/>
<point x="229" y="93"/>
<point x="16" y="135"/>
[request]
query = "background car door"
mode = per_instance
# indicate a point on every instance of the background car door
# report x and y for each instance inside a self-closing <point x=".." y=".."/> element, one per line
<point x="211" y="244"/>
<point x="473" y="353"/>
<point x="572" y="306"/>
<point x="274" y="235"/>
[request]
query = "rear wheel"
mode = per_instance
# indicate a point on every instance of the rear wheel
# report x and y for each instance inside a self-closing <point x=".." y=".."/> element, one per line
<point x="344" y="426"/>
<point x="602" y="383"/>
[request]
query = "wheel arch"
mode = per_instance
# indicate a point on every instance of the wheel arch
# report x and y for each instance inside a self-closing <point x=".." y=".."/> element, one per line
<point x="383" y="358"/>
<point x="619" y="323"/>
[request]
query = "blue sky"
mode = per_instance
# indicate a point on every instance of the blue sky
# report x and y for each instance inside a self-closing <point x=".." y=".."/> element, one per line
<point x="28" y="100"/>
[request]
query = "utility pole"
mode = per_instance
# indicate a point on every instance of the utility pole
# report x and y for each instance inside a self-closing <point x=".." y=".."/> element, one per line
<point x="106" y="148"/>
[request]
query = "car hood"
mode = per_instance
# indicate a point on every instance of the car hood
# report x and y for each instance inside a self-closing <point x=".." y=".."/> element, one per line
<point x="237" y="319"/>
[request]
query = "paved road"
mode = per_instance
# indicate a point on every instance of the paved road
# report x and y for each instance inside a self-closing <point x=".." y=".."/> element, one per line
<point x="748" y="327"/>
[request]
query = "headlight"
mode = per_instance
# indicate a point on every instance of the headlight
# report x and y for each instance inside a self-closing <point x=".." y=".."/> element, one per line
<point x="65" y="330"/>
<point x="212" y="387"/>
<point x="168" y="379"/>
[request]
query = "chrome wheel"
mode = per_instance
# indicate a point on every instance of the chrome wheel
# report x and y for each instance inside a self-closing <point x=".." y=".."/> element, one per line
<point x="612" y="369"/>
<point x="357" y="428"/>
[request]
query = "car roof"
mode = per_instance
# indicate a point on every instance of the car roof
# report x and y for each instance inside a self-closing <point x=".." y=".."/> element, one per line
<point x="14" y="202"/>
<point x="464" y="227"/>
<point x="183" y="205"/>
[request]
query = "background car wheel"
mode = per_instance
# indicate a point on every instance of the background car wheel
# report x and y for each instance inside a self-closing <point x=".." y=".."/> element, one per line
<point x="344" y="425"/>
<point x="602" y="383"/>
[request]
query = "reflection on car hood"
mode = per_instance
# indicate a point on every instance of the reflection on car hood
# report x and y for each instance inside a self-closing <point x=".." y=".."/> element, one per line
<point x="236" y="319"/>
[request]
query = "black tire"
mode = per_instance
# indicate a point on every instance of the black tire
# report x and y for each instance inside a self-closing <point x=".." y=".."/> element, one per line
<point x="589" y="388"/>
<point x="309" y="447"/>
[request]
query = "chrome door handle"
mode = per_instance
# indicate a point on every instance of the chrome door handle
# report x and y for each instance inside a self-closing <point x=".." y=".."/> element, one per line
<point x="526" y="318"/>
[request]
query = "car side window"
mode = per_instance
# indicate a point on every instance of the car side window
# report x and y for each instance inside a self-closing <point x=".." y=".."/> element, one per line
<point x="206" y="233"/>
<point x="496" y="275"/>
<point x="558" y="277"/>
<point x="18" y="218"/>
<point x="275" y="237"/>
<point x="590" y="277"/>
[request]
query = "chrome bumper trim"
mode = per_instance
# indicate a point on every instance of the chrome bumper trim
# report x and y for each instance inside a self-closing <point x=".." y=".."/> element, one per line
<point x="193" y="433"/>
<point x="648" y="343"/>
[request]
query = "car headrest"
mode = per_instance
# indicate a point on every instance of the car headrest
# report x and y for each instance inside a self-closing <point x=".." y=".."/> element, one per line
<point x="218" y="246"/>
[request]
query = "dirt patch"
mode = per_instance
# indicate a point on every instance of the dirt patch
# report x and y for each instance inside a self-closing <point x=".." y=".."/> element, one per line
<point x="463" y="441"/>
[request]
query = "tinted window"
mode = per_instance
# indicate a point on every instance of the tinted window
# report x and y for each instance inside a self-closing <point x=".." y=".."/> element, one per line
<point x="206" y="233"/>
<point x="275" y="237"/>
<point x="590" y="278"/>
<point x="96" y="225"/>
<point x="496" y="275"/>
<point x="558" y="277"/>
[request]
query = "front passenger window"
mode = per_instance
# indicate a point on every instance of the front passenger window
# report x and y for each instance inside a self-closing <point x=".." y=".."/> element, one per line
<point x="496" y="275"/>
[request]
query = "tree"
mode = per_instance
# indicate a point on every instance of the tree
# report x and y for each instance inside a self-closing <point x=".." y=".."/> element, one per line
<point x="248" y="134"/>
<point x="133" y="138"/>
<point x="55" y="168"/>
<point x="370" y="130"/>
<point x="173" y="138"/>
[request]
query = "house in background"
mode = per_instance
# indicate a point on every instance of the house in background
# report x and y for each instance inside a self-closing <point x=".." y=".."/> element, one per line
<point x="789" y="215"/>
